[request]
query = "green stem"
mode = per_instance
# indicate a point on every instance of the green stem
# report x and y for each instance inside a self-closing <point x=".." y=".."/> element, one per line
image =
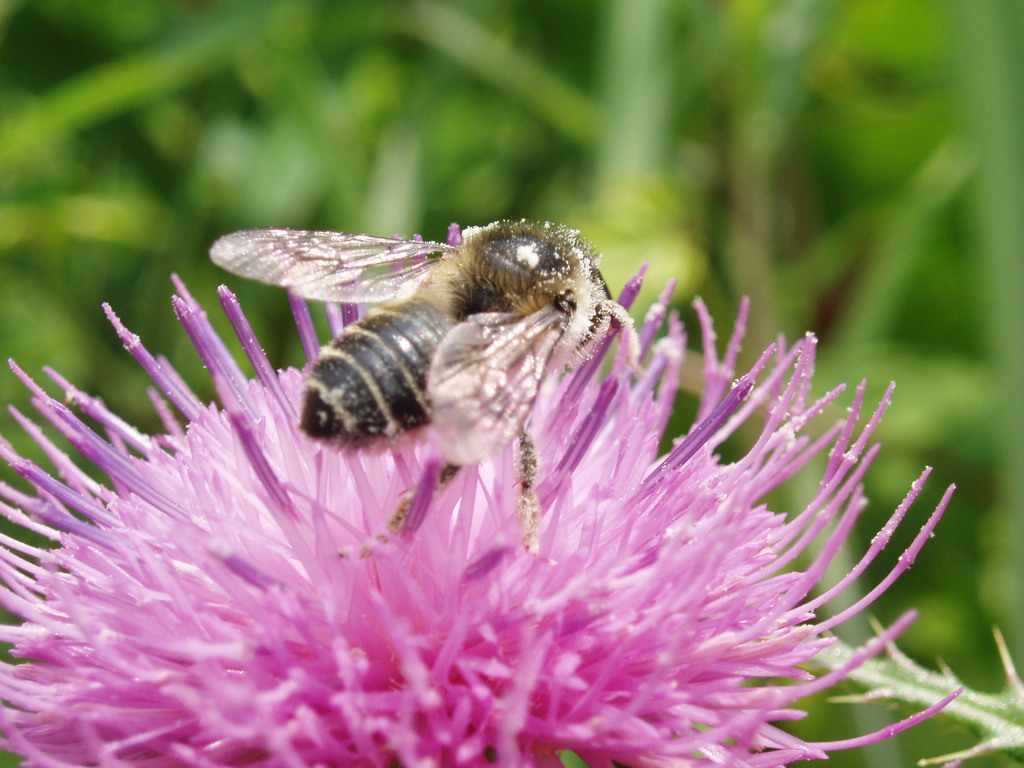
<point x="997" y="720"/>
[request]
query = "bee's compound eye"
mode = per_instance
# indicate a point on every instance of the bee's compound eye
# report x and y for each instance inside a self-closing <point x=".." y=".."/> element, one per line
<point x="565" y="302"/>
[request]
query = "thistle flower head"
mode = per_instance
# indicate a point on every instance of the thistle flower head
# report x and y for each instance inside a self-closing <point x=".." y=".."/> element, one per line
<point x="230" y="595"/>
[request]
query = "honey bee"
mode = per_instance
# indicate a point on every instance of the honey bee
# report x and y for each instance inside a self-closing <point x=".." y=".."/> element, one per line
<point x="461" y="340"/>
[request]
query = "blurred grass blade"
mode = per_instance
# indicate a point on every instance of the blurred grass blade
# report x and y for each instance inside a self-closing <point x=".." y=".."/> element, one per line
<point x="896" y="262"/>
<point x="778" y="94"/>
<point x="493" y="60"/>
<point x="7" y="9"/>
<point x="987" y="35"/>
<point x="394" y="194"/>
<point x="115" y="88"/>
<point x="638" y="81"/>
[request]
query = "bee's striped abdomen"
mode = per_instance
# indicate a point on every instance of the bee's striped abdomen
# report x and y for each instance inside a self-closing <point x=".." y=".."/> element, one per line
<point x="370" y="382"/>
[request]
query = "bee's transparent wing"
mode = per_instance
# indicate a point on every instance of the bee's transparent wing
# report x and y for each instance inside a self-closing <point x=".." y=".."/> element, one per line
<point x="484" y="378"/>
<point x="330" y="266"/>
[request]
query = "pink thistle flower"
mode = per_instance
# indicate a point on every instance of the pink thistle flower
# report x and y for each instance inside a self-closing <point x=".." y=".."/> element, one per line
<point x="228" y="596"/>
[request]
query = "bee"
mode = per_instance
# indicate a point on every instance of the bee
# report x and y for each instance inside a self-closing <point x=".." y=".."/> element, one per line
<point x="461" y="335"/>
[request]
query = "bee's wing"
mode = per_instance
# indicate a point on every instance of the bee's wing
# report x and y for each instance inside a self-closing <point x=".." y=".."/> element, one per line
<point x="484" y="378"/>
<point x="330" y="266"/>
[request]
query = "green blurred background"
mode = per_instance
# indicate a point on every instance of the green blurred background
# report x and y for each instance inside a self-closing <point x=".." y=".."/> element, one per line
<point x="856" y="168"/>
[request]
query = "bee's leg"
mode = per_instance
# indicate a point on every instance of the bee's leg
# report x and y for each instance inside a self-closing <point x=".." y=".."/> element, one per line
<point x="528" y="506"/>
<point x="397" y="523"/>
